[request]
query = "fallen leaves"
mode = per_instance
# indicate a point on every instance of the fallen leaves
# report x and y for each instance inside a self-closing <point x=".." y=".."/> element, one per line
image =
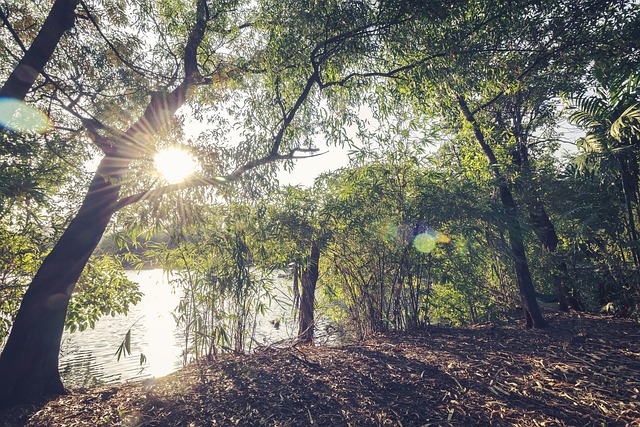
<point x="582" y="371"/>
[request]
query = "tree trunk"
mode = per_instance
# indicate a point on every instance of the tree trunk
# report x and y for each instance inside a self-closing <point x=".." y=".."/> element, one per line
<point x="308" y="280"/>
<point x="295" y="269"/>
<point x="532" y="313"/>
<point x="29" y="361"/>
<point x="629" y="195"/>
<point x="60" y="19"/>
<point x="549" y="240"/>
<point x="530" y="307"/>
<point x="543" y="227"/>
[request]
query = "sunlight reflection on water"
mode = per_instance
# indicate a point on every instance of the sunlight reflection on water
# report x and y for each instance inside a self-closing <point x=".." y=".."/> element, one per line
<point x="88" y="357"/>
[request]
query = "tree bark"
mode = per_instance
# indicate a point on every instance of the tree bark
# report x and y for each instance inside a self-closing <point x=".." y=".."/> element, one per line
<point x="549" y="240"/>
<point x="629" y="195"/>
<point x="295" y="269"/>
<point x="308" y="280"/>
<point x="60" y="19"/>
<point x="29" y="361"/>
<point x="533" y="315"/>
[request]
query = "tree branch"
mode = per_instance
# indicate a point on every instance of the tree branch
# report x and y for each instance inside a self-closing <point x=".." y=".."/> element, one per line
<point x="141" y="71"/>
<point x="271" y="158"/>
<point x="288" y="118"/>
<point x="201" y="181"/>
<point x="15" y="36"/>
<point x="163" y="105"/>
<point x="60" y="19"/>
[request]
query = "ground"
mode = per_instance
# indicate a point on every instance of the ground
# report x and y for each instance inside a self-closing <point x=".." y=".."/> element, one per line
<point x="582" y="371"/>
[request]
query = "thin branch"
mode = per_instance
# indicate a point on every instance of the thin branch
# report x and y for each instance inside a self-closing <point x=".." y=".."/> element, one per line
<point x="488" y="103"/>
<point x="141" y="71"/>
<point x="161" y="191"/>
<point x="288" y="118"/>
<point x="13" y="32"/>
<point x="201" y="181"/>
<point x="363" y="30"/>
<point x="271" y="158"/>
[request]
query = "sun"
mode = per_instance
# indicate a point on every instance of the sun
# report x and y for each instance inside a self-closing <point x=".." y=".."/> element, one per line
<point x="175" y="165"/>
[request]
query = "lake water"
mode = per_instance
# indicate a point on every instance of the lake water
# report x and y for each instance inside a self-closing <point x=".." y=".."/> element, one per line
<point x="88" y="358"/>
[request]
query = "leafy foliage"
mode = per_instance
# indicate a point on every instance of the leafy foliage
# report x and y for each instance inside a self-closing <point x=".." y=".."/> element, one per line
<point x="103" y="289"/>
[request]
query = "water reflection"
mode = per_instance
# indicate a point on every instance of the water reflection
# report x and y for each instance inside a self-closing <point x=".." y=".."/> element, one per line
<point x="88" y="358"/>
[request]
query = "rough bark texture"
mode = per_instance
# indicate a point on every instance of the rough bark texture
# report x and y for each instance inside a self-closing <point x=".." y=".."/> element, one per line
<point x="307" y="296"/>
<point x="60" y="19"/>
<point x="530" y="307"/>
<point x="29" y="361"/>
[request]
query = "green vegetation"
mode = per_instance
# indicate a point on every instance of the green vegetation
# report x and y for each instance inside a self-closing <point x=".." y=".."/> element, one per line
<point x="457" y="207"/>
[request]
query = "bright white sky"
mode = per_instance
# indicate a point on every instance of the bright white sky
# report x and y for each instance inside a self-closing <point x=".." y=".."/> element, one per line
<point x="306" y="170"/>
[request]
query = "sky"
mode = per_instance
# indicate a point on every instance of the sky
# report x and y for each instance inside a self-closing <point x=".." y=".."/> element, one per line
<point x="306" y="170"/>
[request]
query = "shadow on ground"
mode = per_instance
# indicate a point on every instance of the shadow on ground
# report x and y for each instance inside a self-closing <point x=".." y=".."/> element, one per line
<point x="583" y="370"/>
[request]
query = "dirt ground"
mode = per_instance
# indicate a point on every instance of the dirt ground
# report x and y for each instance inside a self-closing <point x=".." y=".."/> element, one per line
<point x="582" y="371"/>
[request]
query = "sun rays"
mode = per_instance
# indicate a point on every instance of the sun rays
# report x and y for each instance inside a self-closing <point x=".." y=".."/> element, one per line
<point x="175" y="165"/>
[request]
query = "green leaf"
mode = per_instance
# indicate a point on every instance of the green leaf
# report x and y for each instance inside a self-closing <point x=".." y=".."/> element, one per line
<point x="125" y="346"/>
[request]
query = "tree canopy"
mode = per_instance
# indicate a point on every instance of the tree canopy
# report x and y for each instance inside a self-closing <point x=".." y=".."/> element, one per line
<point x="455" y="207"/>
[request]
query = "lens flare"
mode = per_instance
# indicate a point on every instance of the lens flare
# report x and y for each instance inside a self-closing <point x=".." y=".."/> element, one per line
<point x="17" y="116"/>
<point x="426" y="242"/>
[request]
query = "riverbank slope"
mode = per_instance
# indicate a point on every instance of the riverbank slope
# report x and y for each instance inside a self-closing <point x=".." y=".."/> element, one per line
<point x="583" y="370"/>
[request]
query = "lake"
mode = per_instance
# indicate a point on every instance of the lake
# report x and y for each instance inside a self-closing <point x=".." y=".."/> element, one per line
<point x="88" y="358"/>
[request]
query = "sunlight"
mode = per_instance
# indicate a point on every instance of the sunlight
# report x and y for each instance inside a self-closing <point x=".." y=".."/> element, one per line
<point x="160" y="330"/>
<point x="175" y="165"/>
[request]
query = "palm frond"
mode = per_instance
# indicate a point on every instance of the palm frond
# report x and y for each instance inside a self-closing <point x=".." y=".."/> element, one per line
<point x="628" y="123"/>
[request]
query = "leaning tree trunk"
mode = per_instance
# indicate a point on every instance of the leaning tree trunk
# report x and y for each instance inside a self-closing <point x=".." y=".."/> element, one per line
<point x="308" y="280"/>
<point x="29" y="361"/>
<point x="533" y="315"/>
<point x="60" y="19"/>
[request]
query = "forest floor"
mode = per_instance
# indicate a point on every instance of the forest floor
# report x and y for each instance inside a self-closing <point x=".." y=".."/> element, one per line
<point x="582" y="371"/>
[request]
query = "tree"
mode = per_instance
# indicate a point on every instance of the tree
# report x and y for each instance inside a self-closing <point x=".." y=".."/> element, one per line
<point x="189" y="68"/>
<point x="511" y="42"/>
<point x="520" y="121"/>
<point x="391" y="216"/>
<point x="308" y="279"/>
<point x="29" y="361"/>
<point x="297" y="234"/>
<point x="608" y="158"/>
<point x="612" y="121"/>
<point x="532" y="312"/>
<point x="61" y="18"/>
